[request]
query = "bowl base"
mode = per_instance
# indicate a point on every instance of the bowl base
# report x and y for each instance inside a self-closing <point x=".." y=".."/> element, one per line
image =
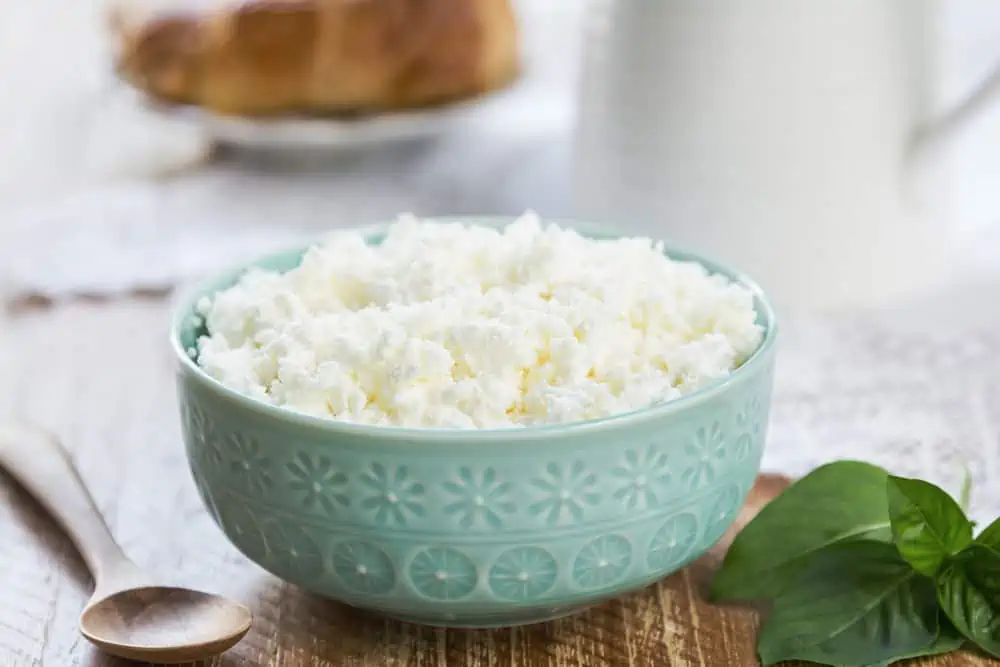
<point x="493" y="621"/>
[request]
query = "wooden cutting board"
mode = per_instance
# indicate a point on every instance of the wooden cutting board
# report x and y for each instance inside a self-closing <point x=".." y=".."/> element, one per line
<point x="666" y="625"/>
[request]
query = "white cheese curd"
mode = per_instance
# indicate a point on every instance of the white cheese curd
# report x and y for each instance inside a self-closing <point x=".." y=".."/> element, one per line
<point x="445" y="325"/>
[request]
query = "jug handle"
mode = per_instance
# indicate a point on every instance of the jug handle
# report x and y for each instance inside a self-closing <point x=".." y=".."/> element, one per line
<point x="931" y="136"/>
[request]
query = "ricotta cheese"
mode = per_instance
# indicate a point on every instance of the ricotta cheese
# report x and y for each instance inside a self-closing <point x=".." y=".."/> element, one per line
<point x="448" y="325"/>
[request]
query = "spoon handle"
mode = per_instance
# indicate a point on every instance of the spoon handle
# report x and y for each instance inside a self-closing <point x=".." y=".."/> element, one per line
<point x="36" y="459"/>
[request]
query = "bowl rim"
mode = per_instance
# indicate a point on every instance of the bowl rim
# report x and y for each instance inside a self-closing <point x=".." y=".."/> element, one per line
<point x="183" y="308"/>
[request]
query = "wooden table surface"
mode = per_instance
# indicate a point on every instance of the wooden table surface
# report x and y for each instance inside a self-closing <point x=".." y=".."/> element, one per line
<point x="100" y="375"/>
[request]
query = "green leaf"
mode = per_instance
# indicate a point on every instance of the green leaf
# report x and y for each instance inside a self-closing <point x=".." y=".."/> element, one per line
<point x="990" y="536"/>
<point x="838" y="502"/>
<point x="856" y="603"/>
<point x="928" y="526"/>
<point x="947" y="640"/>
<point x="969" y="593"/>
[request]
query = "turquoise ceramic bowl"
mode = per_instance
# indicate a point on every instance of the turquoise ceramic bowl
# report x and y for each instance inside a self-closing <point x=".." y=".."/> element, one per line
<point x="474" y="528"/>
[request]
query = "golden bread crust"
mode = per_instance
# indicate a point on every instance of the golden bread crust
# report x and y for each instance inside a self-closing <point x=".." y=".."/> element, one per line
<point x="268" y="57"/>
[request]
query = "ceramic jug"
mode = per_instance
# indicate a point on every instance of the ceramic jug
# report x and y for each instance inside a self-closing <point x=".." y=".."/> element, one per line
<point x="798" y="140"/>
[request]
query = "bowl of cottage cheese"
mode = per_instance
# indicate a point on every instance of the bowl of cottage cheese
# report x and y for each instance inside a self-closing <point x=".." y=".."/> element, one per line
<point x="475" y="422"/>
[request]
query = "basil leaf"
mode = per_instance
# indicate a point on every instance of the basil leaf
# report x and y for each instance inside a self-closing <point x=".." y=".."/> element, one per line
<point x="948" y="640"/>
<point x="928" y="526"/>
<point x="990" y="536"/>
<point x="856" y="603"/>
<point x="969" y="593"/>
<point x="837" y="502"/>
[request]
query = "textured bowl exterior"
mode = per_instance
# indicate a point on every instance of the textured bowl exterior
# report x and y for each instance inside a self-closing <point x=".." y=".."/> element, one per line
<point x="475" y="529"/>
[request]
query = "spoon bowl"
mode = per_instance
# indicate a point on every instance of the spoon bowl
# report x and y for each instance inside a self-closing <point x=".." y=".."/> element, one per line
<point x="128" y="616"/>
<point x="148" y="623"/>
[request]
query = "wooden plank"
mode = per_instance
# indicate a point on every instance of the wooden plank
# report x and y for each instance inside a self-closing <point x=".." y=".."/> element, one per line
<point x="668" y="624"/>
<point x="100" y="375"/>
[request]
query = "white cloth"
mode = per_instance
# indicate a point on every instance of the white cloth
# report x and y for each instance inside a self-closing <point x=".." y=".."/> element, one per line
<point x="915" y="388"/>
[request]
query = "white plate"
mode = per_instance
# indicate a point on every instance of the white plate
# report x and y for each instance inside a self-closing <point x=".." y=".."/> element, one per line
<point x="328" y="133"/>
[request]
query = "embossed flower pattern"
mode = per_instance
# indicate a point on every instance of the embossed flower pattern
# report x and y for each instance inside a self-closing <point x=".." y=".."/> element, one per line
<point x="394" y="497"/>
<point x="566" y="492"/>
<point x="480" y="500"/>
<point x="293" y="549"/>
<point x="643" y="478"/>
<point x="673" y="542"/>
<point x="364" y="567"/>
<point x="201" y="432"/>
<point x="602" y="562"/>
<point x="522" y="574"/>
<point x="723" y="511"/>
<point x="706" y="450"/>
<point x="248" y="464"/>
<point x="242" y="527"/>
<point x="748" y="421"/>
<point x="318" y="483"/>
<point x="443" y="574"/>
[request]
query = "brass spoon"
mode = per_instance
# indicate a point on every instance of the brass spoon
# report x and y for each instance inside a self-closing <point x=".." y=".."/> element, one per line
<point x="128" y="615"/>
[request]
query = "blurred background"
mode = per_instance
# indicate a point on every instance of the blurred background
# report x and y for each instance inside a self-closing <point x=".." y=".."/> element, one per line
<point x="103" y="192"/>
<point x="119" y="173"/>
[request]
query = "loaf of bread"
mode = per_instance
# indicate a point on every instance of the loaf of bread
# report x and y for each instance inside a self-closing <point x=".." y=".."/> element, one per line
<point x="319" y="57"/>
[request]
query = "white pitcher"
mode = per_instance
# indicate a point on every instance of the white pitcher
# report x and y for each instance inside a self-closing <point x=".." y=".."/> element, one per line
<point x="795" y="139"/>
